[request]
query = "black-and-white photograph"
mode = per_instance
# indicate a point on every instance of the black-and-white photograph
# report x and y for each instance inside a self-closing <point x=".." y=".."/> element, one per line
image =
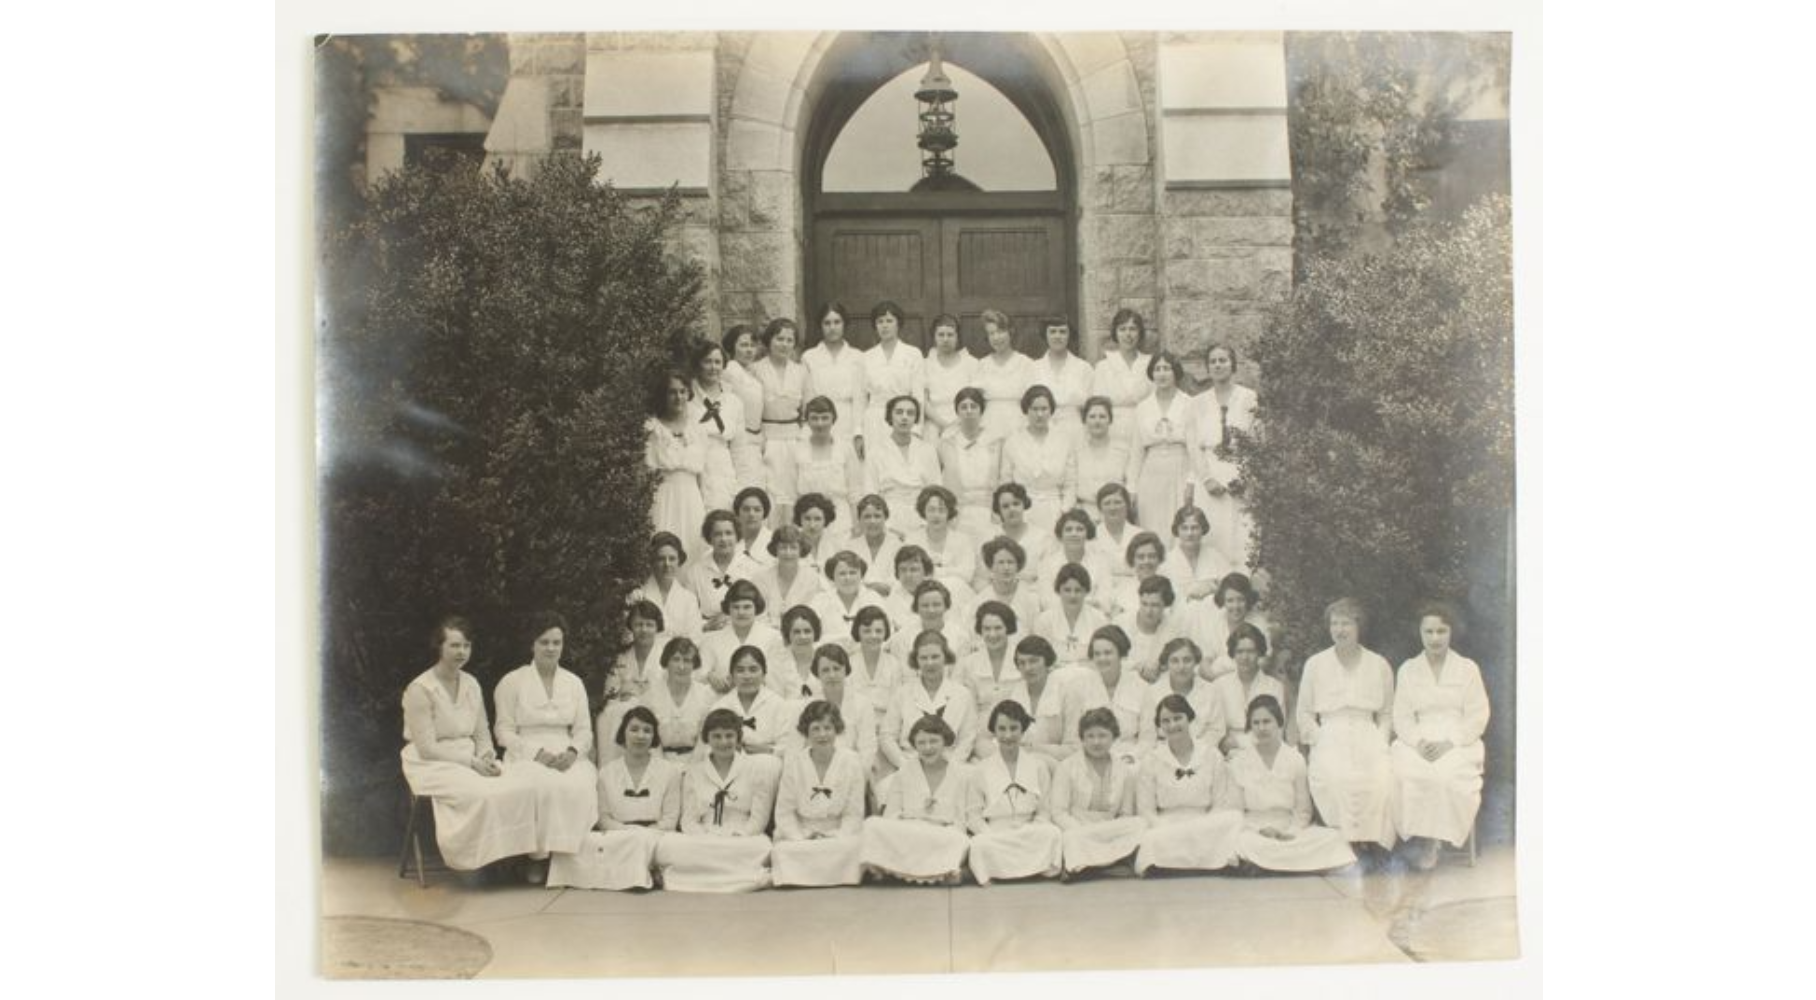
<point x="915" y="501"/>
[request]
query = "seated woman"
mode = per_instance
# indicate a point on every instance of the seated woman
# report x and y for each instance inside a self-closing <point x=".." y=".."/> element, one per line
<point x="481" y="816"/>
<point x="1277" y="830"/>
<point x="820" y="807"/>
<point x="1233" y="693"/>
<point x="788" y="582"/>
<point x="1055" y="699"/>
<point x="722" y="564"/>
<point x="875" y="544"/>
<point x="1440" y="713"/>
<point x="928" y="810"/>
<point x="666" y="589"/>
<point x="726" y="801"/>
<point x="1093" y="799"/>
<point x="932" y="602"/>
<point x="752" y="507"/>
<point x="1345" y="710"/>
<point x="1181" y="658"/>
<point x="1069" y="623"/>
<point x="1195" y="566"/>
<point x="1073" y="533"/>
<point x="858" y="716"/>
<point x="1150" y="627"/>
<point x="639" y="800"/>
<point x="767" y="717"/>
<point x="838" y="605"/>
<point x="679" y="702"/>
<point x="1003" y="562"/>
<point x="875" y="672"/>
<point x="952" y="552"/>
<point x="932" y="692"/>
<point x="1010" y="504"/>
<point x="898" y="466"/>
<point x="989" y="669"/>
<point x="546" y="729"/>
<point x="1235" y="601"/>
<point x="630" y="675"/>
<point x="1144" y="556"/>
<point x="743" y="605"/>
<point x="1125" y="687"/>
<point x="801" y="628"/>
<point x="1184" y="792"/>
<point x="1018" y="840"/>
<point x="971" y="462"/>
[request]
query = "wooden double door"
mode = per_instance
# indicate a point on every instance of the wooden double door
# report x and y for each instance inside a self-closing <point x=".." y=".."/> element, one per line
<point x="962" y="256"/>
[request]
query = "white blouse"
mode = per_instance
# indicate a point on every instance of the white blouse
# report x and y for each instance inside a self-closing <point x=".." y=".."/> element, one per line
<point x="749" y="389"/>
<point x="783" y="391"/>
<point x="888" y="375"/>
<point x="680" y="606"/>
<point x="1046" y="466"/>
<point x="803" y="468"/>
<point x="1003" y="384"/>
<point x="1125" y="382"/>
<point x="533" y="717"/>
<point x="1452" y="708"/>
<point x="971" y="467"/>
<point x="942" y="381"/>
<point x="1070" y="383"/>
<point x="840" y="378"/>
<point x="1328" y="690"/>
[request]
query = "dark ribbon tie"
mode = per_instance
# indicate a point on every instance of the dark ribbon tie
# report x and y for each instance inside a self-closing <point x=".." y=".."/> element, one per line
<point x="636" y="793"/>
<point x="712" y="414"/>
<point x="750" y="722"/>
<point x="818" y="791"/>
<point x="720" y="582"/>
<point x="1014" y="787"/>
<point x="719" y="798"/>
<point x="1180" y="774"/>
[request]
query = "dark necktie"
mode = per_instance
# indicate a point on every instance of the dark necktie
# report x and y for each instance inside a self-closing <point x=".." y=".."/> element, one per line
<point x="712" y="414"/>
<point x="719" y="798"/>
<point x="750" y="722"/>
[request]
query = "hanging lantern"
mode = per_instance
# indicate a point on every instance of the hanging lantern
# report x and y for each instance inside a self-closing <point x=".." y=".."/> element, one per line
<point x="937" y="137"/>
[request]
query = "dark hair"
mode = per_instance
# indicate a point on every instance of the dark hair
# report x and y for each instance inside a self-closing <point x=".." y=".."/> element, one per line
<point x="1126" y="315"/>
<point x="887" y="308"/>
<point x="930" y="586"/>
<point x="1109" y="407"/>
<point x="913" y="554"/>
<point x="1178" y="643"/>
<point x="1238" y="582"/>
<point x="787" y="534"/>
<point x="1036" y="391"/>
<point x="940" y="493"/>
<point x="1225" y="348"/>
<point x="712" y="518"/>
<point x="1144" y="538"/>
<point x="830" y="308"/>
<point x="931" y="637"/>
<point x="449" y="623"/>
<point x="777" y="325"/>
<point x="871" y="500"/>
<point x="1190" y="512"/>
<point x="704" y="349"/>
<point x="1156" y="584"/>
<point x="752" y="491"/>
<point x="738" y="332"/>
<point x="646" y="610"/>
<point x="1246" y="631"/>
<point x="1116" y="488"/>
<point x="867" y="615"/>
<point x="1099" y="718"/>
<point x="1168" y="357"/>
<point x="848" y="558"/>
<point x="801" y="613"/>
<point x="1177" y="704"/>
<point x="747" y="651"/>
<point x="820" y="404"/>
<point x="889" y="410"/>
<point x="1265" y="703"/>
<point x="1014" y="710"/>
<point x="1016" y="490"/>
<point x="1443" y="611"/>
<point x="1003" y="612"/>
<point x="638" y="713"/>
<point x="1049" y="322"/>
<point x="943" y="319"/>
<point x="819" y="709"/>
<point x="996" y="318"/>
<point x="1074" y="514"/>
<point x="1074" y="573"/>
<point x="830" y="651"/>
<point x="815" y="501"/>
<point x="670" y="539"/>
<point x="1035" y="645"/>
<point x="1115" y="636"/>
<point x="1003" y="543"/>
<point x="678" y="645"/>
<point x="657" y="398"/>
<point x="972" y="393"/>
<point x="742" y="590"/>
<point x="720" y="719"/>
<point x="935" y="725"/>
<point x="542" y="621"/>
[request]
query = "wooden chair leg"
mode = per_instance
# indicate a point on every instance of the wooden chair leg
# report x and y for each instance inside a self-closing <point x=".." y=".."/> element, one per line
<point x="412" y="847"/>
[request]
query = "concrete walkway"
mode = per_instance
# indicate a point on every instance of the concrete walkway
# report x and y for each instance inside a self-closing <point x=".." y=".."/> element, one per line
<point x="1455" y="913"/>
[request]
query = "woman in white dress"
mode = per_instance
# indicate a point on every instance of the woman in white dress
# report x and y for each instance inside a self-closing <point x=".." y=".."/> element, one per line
<point x="784" y="382"/>
<point x="711" y="573"/>
<point x="752" y="508"/>
<point x="840" y="605"/>
<point x="820" y="806"/>
<point x="743" y="606"/>
<point x="892" y="368"/>
<point x="1010" y="503"/>
<point x="727" y="799"/>
<point x="787" y="582"/>
<point x="953" y="553"/>
<point x="835" y="369"/>
<point x="1277" y="830"/>
<point x="971" y="464"/>
<point x="929" y="808"/>
<point x="1184" y="792"/>
<point x="639" y="800"/>
<point x="1345" y="710"/>
<point x="679" y="701"/>
<point x="1144" y="554"/>
<point x="1194" y="564"/>
<point x="1004" y="375"/>
<point x="1101" y="459"/>
<point x="813" y="513"/>
<point x="1073" y="533"/>
<point x="1093" y="799"/>
<point x="719" y="414"/>
<point x="831" y="683"/>
<point x="1150" y="626"/>
<point x="1180" y="659"/>
<point x="876" y="544"/>
<point x="1233" y="693"/>
<point x="1067" y="378"/>
<point x="899" y="465"/>
<point x="1126" y="688"/>
<point x="1018" y="839"/>
<point x="546" y="730"/>
<point x="1440" y="713"/>
<point x="819" y="463"/>
<point x="1069" y="623"/>
<point x="947" y="369"/>
<point x="666" y="589"/>
<point x="875" y="672"/>
<point x="741" y="351"/>
<point x="913" y="567"/>
<point x="768" y="718"/>
<point x="1004" y="561"/>
<point x="630" y="674"/>
<point x="1114" y="533"/>
<point x="1226" y="417"/>
<point x="1041" y="458"/>
<point x="1234" y="599"/>
<point x="931" y="691"/>
<point x="989" y="670"/>
<point x="675" y="447"/>
<point x="801" y="629"/>
<point x="482" y="814"/>
<point x="1055" y="698"/>
<point x="932" y="613"/>
<point x="1163" y="451"/>
<point x="1122" y="373"/>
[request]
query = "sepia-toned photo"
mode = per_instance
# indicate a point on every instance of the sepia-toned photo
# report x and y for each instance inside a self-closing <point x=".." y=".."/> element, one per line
<point x="857" y="502"/>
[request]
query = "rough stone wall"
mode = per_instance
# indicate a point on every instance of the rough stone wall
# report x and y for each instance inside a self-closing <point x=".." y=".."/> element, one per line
<point x="1228" y="259"/>
<point x="541" y="111"/>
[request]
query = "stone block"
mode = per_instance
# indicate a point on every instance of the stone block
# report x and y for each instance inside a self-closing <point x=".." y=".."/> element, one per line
<point x="1090" y="51"/>
<point x="1123" y="238"/>
<point x="653" y="156"/>
<point x="1132" y="189"/>
<point x="1186" y="279"/>
<point x="566" y="55"/>
<point x="422" y="109"/>
<point x="753" y="145"/>
<point x="1122" y="139"/>
<point x="522" y="125"/>
<point x="567" y="92"/>
<point x="761" y="261"/>
<point x="734" y="200"/>
<point x="1234" y="278"/>
<point x="781" y="54"/>
<point x="1229" y="204"/>
<point x="1112" y="90"/>
<point x="569" y="127"/>
<point x="1242" y="231"/>
<point x="772" y="199"/>
<point x="1178" y="238"/>
<point x="1137" y="281"/>
<point x="762" y="97"/>
<point x="629" y="83"/>
<point x="1226" y="148"/>
<point x="384" y="153"/>
<point x="1097" y="188"/>
<point x="1276" y="282"/>
<point x="1225" y="72"/>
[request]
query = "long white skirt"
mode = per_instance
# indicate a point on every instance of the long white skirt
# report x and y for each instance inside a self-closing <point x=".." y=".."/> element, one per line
<point x="1352" y="781"/>
<point x="1313" y="849"/>
<point x="914" y="849"/>
<point x="619" y="859"/>
<point x="567" y="803"/>
<point x="1160" y="491"/>
<point x="719" y="482"/>
<point x="1191" y="840"/>
<point x="1044" y="513"/>
<point x="830" y="861"/>
<point x="700" y="862"/>
<point x="680" y="508"/>
<point x="1230" y="526"/>
<point x="1103" y="843"/>
<point x="1016" y="852"/>
<point x="1438" y="798"/>
<point x="478" y="819"/>
<point x="747" y="461"/>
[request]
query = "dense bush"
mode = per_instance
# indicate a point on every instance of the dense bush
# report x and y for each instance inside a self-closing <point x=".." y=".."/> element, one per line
<point x="488" y="345"/>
